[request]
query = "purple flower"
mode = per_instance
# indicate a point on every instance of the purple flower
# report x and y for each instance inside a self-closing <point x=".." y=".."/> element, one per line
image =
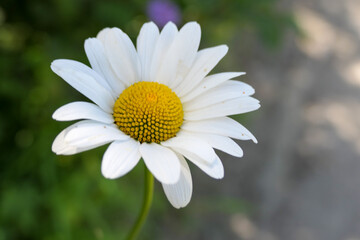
<point x="163" y="11"/>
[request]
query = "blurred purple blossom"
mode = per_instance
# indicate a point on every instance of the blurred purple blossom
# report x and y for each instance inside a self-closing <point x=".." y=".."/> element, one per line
<point x="163" y="11"/>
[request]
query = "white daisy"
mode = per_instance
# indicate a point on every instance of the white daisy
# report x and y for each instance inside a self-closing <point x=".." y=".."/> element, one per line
<point x="155" y="102"/>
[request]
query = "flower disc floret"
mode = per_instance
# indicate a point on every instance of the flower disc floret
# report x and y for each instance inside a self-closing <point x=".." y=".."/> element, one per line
<point x="148" y="112"/>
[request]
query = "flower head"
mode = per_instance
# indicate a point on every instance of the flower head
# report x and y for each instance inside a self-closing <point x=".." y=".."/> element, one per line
<point x="154" y="102"/>
<point x="163" y="11"/>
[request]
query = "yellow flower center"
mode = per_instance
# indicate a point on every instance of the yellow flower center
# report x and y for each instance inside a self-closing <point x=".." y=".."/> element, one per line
<point x="148" y="112"/>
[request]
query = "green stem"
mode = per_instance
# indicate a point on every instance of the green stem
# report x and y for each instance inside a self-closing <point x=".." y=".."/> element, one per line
<point x="148" y="195"/>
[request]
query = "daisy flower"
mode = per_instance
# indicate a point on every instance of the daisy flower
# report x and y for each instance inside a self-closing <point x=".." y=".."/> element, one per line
<point x="154" y="102"/>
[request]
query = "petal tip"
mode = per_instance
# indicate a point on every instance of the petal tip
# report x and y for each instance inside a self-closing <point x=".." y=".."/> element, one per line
<point x="57" y="148"/>
<point x="239" y="155"/>
<point x="224" y="48"/>
<point x="54" y="115"/>
<point x="170" y="24"/>
<point x="220" y="176"/>
<point x="106" y="172"/>
<point x="54" y="65"/>
<point x="108" y="177"/>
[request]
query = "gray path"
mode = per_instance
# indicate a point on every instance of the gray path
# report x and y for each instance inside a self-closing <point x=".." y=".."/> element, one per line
<point x="307" y="178"/>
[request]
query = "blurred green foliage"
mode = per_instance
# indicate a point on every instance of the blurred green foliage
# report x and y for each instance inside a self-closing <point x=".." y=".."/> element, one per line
<point x="44" y="196"/>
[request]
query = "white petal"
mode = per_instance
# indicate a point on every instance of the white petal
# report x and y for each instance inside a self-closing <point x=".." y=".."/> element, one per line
<point x="226" y="91"/>
<point x="191" y="147"/>
<point x="165" y="40"/>
<point x="146" y="43"/>
<point x="229" y="107"/>
<point x="61" y="147"/>
<point x="223" y="126"/>
<point x="186" y="44"/>
<point x="222" y="143"/>
<point x="120" y="158"/>
<point x="86" y="81"/>
<point x="214" y="170"/>
<point x="95" y="52"/>
<point x="205" y="61"/>
<point x="212" y="167"/>
<point x="199" y="152"/>
<point x="180" y="56"/>
<point x="208" y="83"/>
<point x="162" y="162"/>
<point x="89" y="132"/>
<point x="101" y="36"/>
<point x="122" y="56"/>
<point x="179" y="194"/>
<point x="168" y="67"/>
<point x="82" y="110"/>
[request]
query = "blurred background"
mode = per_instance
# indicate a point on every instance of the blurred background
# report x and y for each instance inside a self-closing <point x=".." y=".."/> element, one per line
<point x="300" y="182"/>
